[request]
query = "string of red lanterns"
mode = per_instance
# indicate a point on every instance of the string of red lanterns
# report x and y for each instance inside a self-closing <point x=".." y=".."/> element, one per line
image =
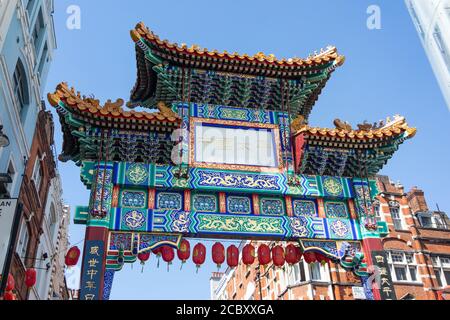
<point x="218" y="254"/>
<point x="232" y="256"/>
<point x="184" y="252"/>
<point x="248" y="254"/>
<point x="9" y="290"/>
<point x="199" y="255"/>
<point x="30" y="277"/>
<point x="143" y="257"/>
<point x="168" y="254"/>
<point x="158" y="254"/>
<point x="278" y="255"/>
<point x="72" y="257"/>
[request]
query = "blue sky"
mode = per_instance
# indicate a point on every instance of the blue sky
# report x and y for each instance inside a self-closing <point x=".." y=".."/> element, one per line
<point x="386" y="73"/>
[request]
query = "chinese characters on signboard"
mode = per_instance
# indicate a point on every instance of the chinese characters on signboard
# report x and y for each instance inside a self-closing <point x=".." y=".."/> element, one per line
<point x="92" y="271"/>
<point x="387" y="292"/>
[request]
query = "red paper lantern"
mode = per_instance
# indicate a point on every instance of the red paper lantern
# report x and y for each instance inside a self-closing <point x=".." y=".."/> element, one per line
<point x="30" y="277"/>
<point x="293" y="254"/>
<point x="232" y="256"/>
<point x="10" y="283"/>
<point x="199" y="255"/>
<point x="310" y="257"/>
<point x="264" y="257"/>
<point x="168" y="254"/>
<point x="72" y="256"/>
<point x="143" y="257"/>
<point x="158" y="254"/>
<point x="9" y="296"/>
<point x="184" y="252"/>
<point x="218" y="254"/>
<point x="278" y="256"/>
<point x="248" y="254"/>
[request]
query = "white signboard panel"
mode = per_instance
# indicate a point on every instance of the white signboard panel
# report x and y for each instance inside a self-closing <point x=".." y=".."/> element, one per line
<point x="236" y="146"/>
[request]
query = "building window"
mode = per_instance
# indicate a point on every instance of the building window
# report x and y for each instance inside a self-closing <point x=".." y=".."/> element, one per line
<point x="403" y="266"/>
<point x="7" y="186"/>
<point x="24" y="238"/>
<point x="38" y="30"/>
<point x="37" y="175"/>
<point x="296" y="273"/>
<point x="416" y="20"/>
<point x="441" y="265"/>
<point x="394" y="209"/>
<point x="53" y="221"/>
<point x="29" y="7"/>
<point x="315" y="270"/>
<point x="20" y="87"/>
<point x="440" y="43"/>
<point x="43" y="59"/>
<point x="432" y="220"/>
<point x="377" y="210"/>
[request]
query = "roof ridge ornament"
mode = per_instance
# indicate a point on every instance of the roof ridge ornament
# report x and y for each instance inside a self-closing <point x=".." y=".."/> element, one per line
<point x="396" y="127"/>
<point x="342" y="125"/>
<point x="114" y="106"/>
<point x="142" y="32"/>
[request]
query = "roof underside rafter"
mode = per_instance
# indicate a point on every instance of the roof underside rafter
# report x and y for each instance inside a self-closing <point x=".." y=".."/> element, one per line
<point x="347" y="152"/>
<point x="92" y="131"/>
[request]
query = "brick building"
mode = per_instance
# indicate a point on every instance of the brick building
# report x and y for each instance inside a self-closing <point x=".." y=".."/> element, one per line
<point x="417" y="241"/>
<point x="39" y="172"/>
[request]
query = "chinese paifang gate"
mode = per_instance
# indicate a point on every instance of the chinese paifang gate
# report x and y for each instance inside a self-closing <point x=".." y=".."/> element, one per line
<point x="173" y="172"/>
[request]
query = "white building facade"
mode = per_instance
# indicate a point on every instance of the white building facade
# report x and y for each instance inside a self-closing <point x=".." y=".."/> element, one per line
<point x="432" y="21"/>
<point x="53" y="246"/>
<point x="27" y="42"/>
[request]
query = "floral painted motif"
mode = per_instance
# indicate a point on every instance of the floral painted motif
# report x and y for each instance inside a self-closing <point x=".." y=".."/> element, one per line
<point x="233" y="114"/>
<point x="336" y="210"/>
<point x="363" y="200"/>
<point x="120" y="240"/>
<point x="299" y="227"/>
<point x="132" y="199"/>
<point x="339" y="228"/>
<point x="105" y="192"/>
<point x="137" y="173"/>
<point x="332" y="186"/>
<point x="134" y="219"/>
<point x="108" y="280"/>
<point x="205" y="203"/>
<point x="238" y="180"/>
<point x="180" y="221"/>
<point x="254" y="224"/>
<point x="169" y="201"/>
<point x="305" y="208"/>
<point x="272" y="207"/>
<point x="239" y="205"/>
